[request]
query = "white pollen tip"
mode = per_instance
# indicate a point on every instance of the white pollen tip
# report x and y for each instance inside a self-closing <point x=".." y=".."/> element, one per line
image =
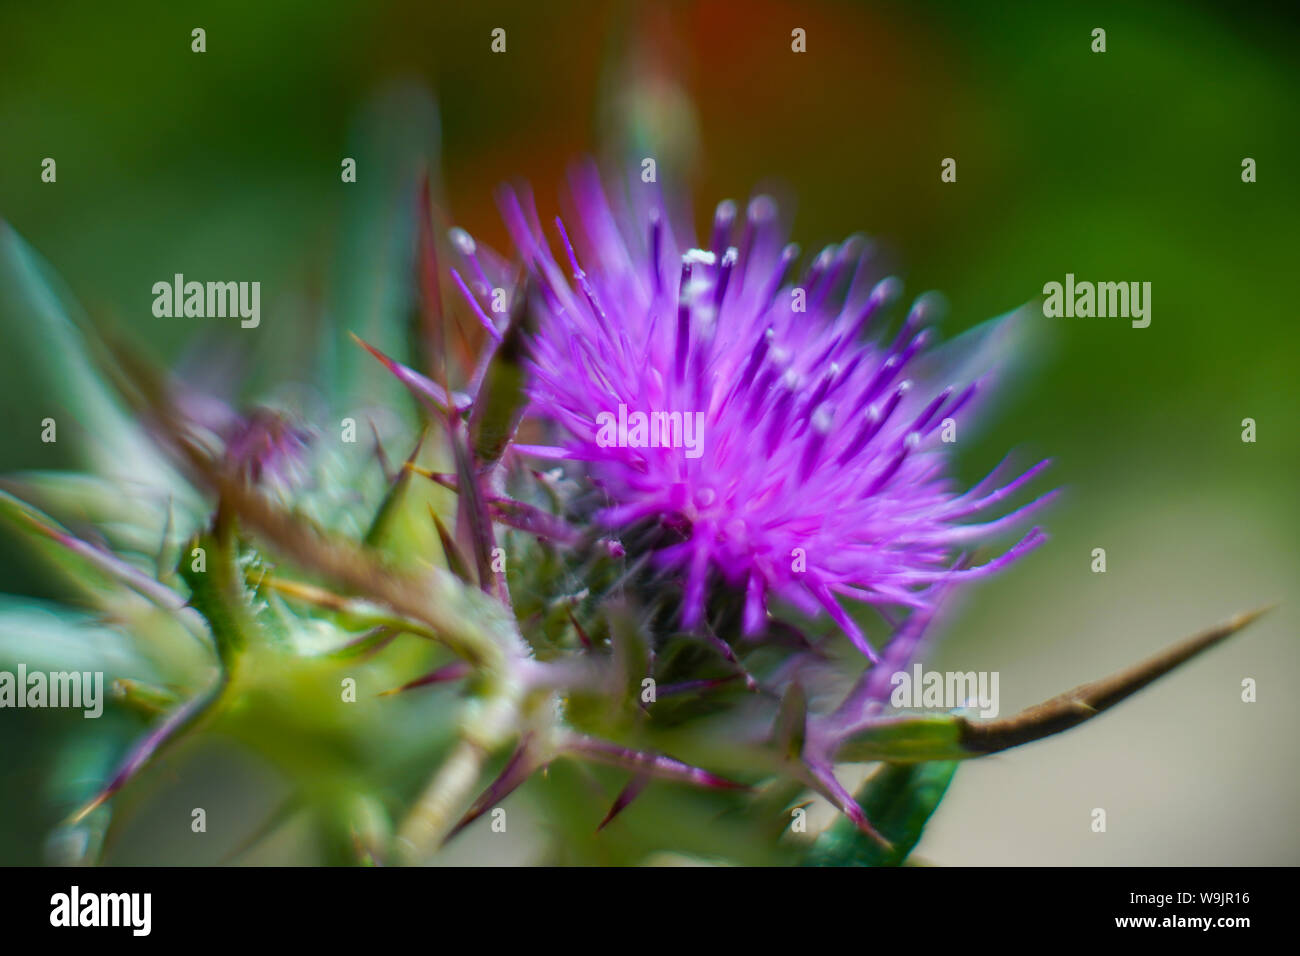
<point x="823" y="418"/>
<point x="462" y="240"/>
<point x="887" y="290"/>
<point x="929" y="307"/>
<point x="762" y="208"/>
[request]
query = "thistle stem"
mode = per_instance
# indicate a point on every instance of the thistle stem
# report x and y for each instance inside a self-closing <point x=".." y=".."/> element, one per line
<point x="443" y="802"/>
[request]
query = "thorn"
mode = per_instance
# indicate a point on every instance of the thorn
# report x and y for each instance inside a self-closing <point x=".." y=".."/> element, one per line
<point x="670" y="690"/>
<point x="443" y="478"/>
<point x="821" y="777"/>
<point x="367" y="645"/>
<point x="419" y="443"/>
<point x="582" y="634"/>
<point x="629" y="793"/>
<point x="1087" y="700"/>
<point x="451" y="672"/>
<point x="653" y="764"/>
<point x="389" y="477"/>
<point x="522" y="763"/>
<point x="144" y="751"/>
<point x="89" y="808"/>
<point x="864" y="826"/>
<point x="160" y="560"/>
<point x="456" y="562"/>
<point x="725" y="649"/>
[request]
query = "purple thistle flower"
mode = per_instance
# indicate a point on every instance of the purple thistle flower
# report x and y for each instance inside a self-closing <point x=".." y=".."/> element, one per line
<point x="819" y="472"/>
<point x="264" y="445"/>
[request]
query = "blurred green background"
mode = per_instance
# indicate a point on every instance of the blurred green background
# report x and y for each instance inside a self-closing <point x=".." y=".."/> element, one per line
<point x="1117" y="166"/>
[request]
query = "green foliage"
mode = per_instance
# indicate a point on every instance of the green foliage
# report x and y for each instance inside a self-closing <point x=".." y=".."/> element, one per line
<point x="898" y="799"/>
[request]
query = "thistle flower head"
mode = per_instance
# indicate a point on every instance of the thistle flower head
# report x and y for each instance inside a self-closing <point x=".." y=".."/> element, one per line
<point x="760" y="436"/>
<point x="265" y="444"/>
<point x="793" y="444"/>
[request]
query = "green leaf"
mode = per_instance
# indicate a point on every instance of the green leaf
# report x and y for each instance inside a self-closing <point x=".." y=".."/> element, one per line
<point x="50" y="637"/>
<point x="37" y="320"/>
<point x="152" y="700"/>
<point x="218" y="593"/>
<point x="389" y="507"/>
<point x="898" y="799"/>
<point x="456" y="562"/>
<point x="791" y="723"/>
<point x="952" y="736"/>
<point x="394" y="141"/>
<point x="89" y="566"/>
<point x="501" y="399"/>
<point x="132" y="521"/>
<point x="907" y="739"/>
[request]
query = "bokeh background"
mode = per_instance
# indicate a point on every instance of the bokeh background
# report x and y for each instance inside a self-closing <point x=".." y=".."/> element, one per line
<point x="1117" y="166"/>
